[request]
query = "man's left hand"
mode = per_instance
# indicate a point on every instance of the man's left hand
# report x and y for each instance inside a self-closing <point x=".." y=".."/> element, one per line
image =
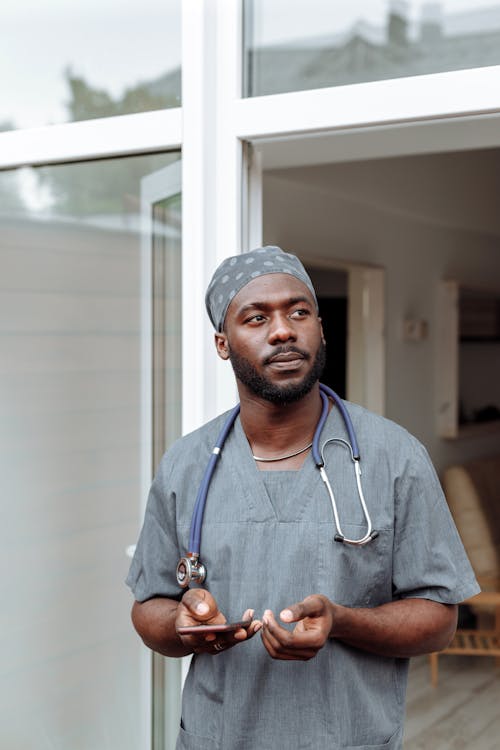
<point x="314" y="617"/>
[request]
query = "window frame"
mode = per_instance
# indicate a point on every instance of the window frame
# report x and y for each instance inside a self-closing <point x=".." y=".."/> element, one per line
<point x="224" y="136"/>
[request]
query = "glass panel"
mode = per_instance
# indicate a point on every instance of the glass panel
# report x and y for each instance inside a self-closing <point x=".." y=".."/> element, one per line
<point x="311" y="44"/>
<point x="71" y="455"/>
<point x="167" y="415"/>
<point x="167" y="344"/>
<point x="64" y="61"/>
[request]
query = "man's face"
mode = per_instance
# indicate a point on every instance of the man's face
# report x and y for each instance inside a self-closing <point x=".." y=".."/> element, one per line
<point x="273" y="337"/>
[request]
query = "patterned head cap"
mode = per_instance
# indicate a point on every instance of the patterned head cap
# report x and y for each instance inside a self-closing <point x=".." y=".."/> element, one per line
<point x="236" y="272"/>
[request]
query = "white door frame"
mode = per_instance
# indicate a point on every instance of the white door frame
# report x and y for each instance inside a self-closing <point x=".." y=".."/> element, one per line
<point x="157" y="186"/>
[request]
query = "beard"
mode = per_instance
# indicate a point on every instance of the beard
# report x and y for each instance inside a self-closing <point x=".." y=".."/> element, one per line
<point x="278" y="394"/>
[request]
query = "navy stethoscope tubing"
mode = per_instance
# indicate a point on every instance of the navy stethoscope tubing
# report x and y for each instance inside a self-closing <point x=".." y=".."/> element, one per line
<point x="201" y="498"/>
<point x="324" y="393"/>
<point x="190" y="569"/>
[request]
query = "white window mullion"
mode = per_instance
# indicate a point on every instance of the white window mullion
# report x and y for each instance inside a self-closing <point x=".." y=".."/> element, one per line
<point x="229" y="165"/>
<point x="196" y="182"/>
<point x="211" y="189"/>
<point x="91" y="139"/>
<point x="229" y="147"/>
<point x="454" y="94"/>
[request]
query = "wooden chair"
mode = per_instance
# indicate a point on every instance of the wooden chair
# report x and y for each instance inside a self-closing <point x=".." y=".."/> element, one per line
<point x="473" y="494"/>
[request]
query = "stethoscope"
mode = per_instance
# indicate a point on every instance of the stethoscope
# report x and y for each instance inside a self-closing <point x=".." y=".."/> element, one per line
<point x="191" y="570"/>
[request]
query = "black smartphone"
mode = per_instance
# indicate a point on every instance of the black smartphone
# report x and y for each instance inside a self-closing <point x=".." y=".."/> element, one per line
<point x="223" y="627"/>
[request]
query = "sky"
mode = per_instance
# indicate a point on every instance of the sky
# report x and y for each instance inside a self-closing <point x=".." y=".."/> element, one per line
<point x="114" y="44"/>
<point x="111" y="43"/>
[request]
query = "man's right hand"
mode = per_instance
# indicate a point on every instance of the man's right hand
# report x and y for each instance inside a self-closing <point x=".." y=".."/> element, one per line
<point x="198" y="607"/>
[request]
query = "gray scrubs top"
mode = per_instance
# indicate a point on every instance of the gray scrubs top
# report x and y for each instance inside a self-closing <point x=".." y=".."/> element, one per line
<point x="266" y="551"/>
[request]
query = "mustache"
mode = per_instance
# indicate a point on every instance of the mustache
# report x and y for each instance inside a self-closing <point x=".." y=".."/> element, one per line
<point x="286" y="350"/>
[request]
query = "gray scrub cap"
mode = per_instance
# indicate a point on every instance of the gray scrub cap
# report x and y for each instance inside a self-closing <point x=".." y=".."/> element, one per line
<point x="236" y="272"/>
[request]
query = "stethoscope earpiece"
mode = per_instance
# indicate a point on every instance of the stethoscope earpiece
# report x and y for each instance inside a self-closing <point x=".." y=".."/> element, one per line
<point x="360" y="542"/>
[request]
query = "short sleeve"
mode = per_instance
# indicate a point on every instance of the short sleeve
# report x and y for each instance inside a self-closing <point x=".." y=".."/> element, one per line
<point x="152" y="572"/>
<point x="429" y="559"/>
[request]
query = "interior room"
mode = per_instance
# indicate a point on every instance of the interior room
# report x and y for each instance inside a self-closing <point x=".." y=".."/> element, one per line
<point x="423" y="220"/>
<point x="430" y="225"/>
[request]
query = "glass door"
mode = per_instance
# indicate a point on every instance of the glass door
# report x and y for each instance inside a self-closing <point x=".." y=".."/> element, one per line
<point x="161" y="391"/>
<point x="72" y="241"/>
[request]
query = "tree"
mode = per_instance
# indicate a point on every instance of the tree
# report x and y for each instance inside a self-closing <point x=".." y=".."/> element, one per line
<point x="11" y="199"/>
<point x="88" y="103"/>
<point x="110" y="186"/>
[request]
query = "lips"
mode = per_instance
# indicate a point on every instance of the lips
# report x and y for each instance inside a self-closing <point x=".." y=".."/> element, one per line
<point x="285" y="354"/>
<point x="286" y="360"/>
<point x="286" y="357"/>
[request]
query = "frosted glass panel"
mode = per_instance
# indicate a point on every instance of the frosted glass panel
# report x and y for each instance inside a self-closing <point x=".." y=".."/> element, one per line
<point x="311" y="44"/>
<point x="72" y="668"/>
<point x="63" y="61"/>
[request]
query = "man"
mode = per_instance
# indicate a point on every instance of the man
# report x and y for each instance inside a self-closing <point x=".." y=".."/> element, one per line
<point x="328" y="671"/>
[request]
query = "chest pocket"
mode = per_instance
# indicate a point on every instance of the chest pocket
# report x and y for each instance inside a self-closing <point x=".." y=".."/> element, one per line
<point x="352" y="575"/>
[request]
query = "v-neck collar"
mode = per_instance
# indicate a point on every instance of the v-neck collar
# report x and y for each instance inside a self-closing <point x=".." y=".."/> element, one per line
<point x="250" y="482"/>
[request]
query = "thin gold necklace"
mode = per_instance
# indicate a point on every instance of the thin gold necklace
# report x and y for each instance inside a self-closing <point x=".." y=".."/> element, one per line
<point x="281" y="458"/>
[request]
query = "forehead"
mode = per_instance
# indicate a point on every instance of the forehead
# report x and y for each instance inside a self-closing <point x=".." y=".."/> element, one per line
<point x="272" y="288"/>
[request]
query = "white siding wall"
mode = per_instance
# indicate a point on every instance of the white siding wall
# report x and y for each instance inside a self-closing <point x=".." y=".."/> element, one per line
<point x="70" y="467"/>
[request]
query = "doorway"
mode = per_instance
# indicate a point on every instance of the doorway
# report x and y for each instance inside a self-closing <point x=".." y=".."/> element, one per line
<point x="332" y="292"/>
<point x="415" y="220"/>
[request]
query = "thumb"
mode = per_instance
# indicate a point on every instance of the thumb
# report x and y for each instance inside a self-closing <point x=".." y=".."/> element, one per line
<point x="200" y="603"/>
<point x="311" y="606"/>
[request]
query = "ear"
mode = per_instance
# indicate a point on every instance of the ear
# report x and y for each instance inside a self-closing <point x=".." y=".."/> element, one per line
<point x="221" y="345"/>
<point x="321" y="329"/>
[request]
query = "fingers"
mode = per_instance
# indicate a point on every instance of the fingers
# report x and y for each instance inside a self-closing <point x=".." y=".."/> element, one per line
<point x="218" y="642"/>
<point x="200" y="604"/>
<point x="244" y="634"/>
<point x="311" y="606"/>
<point x="313" y="617"/>
<point x="284" y="644"/>
<point x="198" y="607"/>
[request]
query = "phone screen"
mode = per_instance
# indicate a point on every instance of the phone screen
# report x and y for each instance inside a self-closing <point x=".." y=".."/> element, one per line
<point x="224" y="627"/>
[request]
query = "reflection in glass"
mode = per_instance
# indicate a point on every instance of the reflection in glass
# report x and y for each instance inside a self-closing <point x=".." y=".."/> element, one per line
<point x="312" y="44"/>
<point x="71" y="451"/>
<point x="65" y="61"/>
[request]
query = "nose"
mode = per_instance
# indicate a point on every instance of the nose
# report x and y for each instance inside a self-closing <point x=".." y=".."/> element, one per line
<point x="281" y="329"/>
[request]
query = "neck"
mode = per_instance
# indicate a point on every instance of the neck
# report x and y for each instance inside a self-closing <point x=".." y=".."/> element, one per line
<point x="273" y="429"/>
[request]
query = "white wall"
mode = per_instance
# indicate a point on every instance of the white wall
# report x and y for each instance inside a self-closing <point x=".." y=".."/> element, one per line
<point x="311" y="220"/>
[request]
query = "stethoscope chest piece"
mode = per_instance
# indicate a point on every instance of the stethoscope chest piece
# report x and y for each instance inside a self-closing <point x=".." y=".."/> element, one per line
<point x="190" y="570"/>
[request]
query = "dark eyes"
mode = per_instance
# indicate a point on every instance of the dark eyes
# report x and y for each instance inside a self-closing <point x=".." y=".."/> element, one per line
<point x="255" y="319"/>
<point x="295" y="315"/>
